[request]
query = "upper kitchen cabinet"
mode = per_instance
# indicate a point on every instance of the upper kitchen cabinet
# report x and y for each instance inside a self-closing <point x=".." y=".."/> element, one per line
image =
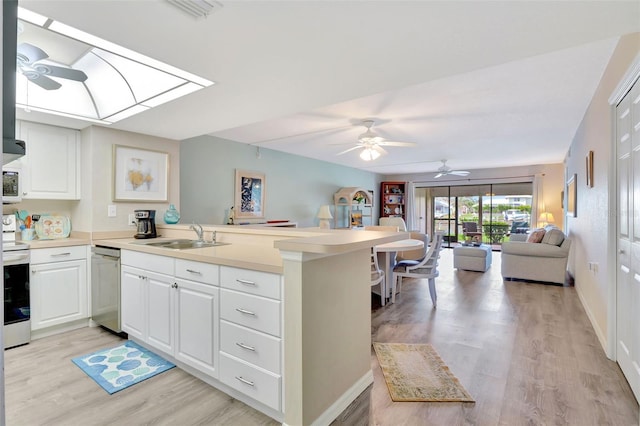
<point x="51" y="166"/>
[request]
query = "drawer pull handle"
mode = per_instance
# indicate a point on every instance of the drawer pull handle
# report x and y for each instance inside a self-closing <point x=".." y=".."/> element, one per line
<point x="245" y="381"/>
<point x="61" y="254"/>
<point x="194" y="272"/>
<point x="247" y="282"/>
<point x="247" y="347"/>
<point x="244" y="311"/>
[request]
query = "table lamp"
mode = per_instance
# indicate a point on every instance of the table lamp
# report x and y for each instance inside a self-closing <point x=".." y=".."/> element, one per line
<point x="546" y="218"/>
<point x="325" y="215"/>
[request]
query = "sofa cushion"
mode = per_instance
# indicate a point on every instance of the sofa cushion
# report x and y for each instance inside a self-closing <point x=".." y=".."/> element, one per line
<point x="554" y="237"/>
<point x="536" y="236"/>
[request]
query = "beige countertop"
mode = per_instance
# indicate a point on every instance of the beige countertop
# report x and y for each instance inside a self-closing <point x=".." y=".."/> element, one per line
<point x="263" y="254"/>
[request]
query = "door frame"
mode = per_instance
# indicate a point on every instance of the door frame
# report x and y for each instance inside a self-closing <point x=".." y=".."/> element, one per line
<point x="624" y="86"/>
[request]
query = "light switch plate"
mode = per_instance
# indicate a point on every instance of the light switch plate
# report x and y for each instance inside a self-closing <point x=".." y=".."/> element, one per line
<point x="132" y="219"/>
<point x="111" y="210"/>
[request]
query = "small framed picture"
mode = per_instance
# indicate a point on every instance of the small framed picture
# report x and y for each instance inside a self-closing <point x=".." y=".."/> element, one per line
<point x="249" y="194"/>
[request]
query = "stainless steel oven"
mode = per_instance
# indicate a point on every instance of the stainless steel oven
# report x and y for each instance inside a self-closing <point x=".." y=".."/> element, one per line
<point x="17" y="309"/>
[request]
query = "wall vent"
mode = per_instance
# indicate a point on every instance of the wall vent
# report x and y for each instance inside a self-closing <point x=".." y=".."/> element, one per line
<point x="197" y="8"/>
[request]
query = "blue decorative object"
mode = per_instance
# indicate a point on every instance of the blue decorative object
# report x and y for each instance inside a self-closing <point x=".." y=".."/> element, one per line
<point x="116" y="368"/>
<point x="171" y="216"/>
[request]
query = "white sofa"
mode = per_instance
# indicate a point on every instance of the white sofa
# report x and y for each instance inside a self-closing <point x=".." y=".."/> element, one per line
<point x="545" y="261"/>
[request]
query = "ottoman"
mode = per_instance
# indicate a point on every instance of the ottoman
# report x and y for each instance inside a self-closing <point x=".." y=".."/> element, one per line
<point x="472" y="258"/>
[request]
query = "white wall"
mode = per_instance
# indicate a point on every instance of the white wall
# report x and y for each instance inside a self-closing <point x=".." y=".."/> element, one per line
<point x="594" y="212"/>
<point x="296" y="186"/>
<point x="90" y="213"/>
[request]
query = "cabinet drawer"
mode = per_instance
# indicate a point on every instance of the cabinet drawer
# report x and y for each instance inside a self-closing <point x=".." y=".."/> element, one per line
<point x="58" y="254"/>
<point x="254" y="282"/>
<point x="197" y="271"/>
<point x="251" y="381"/>
<point x="149" y="262"/>
<point x="254" y="347"/>
<point x="254" y="312"/>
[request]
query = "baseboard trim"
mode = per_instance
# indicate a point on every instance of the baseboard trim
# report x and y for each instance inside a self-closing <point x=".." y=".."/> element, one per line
<point x="599" y="334"/>
<point x="341" y="404"/>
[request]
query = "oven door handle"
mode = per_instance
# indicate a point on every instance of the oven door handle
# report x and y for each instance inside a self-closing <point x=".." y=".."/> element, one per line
<point x="15" y="259"/>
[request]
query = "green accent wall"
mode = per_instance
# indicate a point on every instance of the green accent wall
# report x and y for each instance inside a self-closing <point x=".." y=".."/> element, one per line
<point x="296" y="186"/>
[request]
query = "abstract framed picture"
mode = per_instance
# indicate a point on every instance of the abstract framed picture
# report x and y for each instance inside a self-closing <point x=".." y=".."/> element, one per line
<point x="572" y="196"/>
<point x="250" y="190"/>
<point x="139" y="175"/>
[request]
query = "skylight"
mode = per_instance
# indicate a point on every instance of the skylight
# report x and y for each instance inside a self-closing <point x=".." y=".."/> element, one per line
<point x="65" y="71"/>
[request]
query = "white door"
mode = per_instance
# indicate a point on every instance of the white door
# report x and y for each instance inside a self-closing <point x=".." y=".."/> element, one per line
<point x="197" y="326"/>
<point x="160" y="311"/>
<point x="133" y="302"/>
<point x="58" y="293"/>
<point x="628" y="236"/>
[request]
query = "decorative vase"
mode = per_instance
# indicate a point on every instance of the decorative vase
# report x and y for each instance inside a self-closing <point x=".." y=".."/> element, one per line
<point x="172" y="215"/>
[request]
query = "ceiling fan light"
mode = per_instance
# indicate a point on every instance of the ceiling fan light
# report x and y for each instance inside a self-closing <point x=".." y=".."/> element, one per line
<point x="369" y="154"/>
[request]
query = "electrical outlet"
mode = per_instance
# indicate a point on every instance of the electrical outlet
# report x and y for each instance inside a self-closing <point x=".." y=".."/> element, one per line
<point x="132" y="219"/>
<point x="111" y="210"/>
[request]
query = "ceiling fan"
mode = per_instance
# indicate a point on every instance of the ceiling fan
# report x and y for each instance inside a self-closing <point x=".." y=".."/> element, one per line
<point x="371" y="143"/>
<point x="445" y="170"/>
<point x="29" y="57"/>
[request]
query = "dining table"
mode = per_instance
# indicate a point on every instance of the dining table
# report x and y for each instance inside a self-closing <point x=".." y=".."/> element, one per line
<point x="387" y="258"/>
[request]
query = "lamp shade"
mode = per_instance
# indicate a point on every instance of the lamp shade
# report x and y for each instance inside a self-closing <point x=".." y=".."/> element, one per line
<point x="546" y="217"/>
<point x="325" y="212"/>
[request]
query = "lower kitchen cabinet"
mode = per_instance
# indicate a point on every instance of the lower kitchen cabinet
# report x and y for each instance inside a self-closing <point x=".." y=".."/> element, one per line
<point x="58" y="282"/>
<point x="171" y="313"/>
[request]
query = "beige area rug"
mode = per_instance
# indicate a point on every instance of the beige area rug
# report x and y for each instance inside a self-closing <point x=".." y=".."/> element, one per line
<point x="415" y="372"/>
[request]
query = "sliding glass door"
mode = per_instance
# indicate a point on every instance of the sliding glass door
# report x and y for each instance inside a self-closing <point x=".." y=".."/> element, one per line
<point x="486" y="213"/>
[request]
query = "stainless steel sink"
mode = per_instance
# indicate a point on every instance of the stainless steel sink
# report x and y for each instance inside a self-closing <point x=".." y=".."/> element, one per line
<point x="183" y="244"/>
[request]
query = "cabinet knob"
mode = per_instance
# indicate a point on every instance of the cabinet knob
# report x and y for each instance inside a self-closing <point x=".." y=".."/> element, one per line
<point x="24" y="194"/>
<point x="174" y="285"/>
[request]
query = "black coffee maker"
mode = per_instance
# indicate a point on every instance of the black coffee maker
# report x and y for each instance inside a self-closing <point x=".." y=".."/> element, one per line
<point x="146" y="223"/>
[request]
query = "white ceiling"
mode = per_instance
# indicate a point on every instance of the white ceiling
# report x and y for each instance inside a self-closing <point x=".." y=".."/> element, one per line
<point x="482" y="84"/>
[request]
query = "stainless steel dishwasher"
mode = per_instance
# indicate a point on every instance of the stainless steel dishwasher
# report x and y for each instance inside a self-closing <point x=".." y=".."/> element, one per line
<point x="105" y="287"/>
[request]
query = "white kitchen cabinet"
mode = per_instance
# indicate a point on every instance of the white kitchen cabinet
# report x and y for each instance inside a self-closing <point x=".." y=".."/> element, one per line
<point x="170" y="312"/>
<point x="51" y="165"/>
<point x="197" y="325"/>
<point x="250" y="334"/>
<point x="133" y="302"/>
<point x="58" y="282"/>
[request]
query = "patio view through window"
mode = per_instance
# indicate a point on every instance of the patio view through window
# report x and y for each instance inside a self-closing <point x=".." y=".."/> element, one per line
<point x="488" y="214"/>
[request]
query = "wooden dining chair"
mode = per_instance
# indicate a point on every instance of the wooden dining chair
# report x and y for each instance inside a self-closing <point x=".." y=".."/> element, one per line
<point x="377" y="276"/>
<point x="426" y="269"/>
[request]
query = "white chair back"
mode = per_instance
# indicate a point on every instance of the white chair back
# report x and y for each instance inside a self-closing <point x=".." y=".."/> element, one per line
<point x="393" y="221"/>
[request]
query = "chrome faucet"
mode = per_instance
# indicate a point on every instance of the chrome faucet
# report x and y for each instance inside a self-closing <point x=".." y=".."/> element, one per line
<point x="197" y="228"/>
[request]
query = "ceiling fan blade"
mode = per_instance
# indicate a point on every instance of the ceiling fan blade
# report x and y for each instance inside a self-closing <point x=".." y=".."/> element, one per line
<point x="348" y="150"/>
<point x="392" y="143"/>
<point x="378" y="148"/>
<point x="43" y="81"/>
<point x="439" y="175"/>
<point x="28" y="53"/>
<point x="61" y="72"/>
<point x="459" y="172"/>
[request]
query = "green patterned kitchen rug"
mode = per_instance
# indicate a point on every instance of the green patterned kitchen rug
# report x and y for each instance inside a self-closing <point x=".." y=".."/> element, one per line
<point x="122" y="366"/>
<point x="415" y="372"/>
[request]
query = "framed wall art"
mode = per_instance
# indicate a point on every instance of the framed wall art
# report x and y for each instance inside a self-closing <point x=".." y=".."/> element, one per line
<point x="572" y="196"/>
<point x="589" y="169"/>
<point x="249" y="194"/>
<point x="139" y="175"/>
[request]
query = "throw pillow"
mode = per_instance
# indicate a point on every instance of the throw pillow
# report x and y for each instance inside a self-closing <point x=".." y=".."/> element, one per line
<point x="553" y="236"/>
<point x="536" y="236"/>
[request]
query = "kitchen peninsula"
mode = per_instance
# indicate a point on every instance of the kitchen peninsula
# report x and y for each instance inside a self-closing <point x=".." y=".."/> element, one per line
<point x="316" y="285"/>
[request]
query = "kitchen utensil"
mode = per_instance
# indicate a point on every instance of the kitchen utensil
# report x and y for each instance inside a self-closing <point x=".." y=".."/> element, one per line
<point x="27" y="222"/>
<point x="35" y="218"/>
<point x="22" y="214"/>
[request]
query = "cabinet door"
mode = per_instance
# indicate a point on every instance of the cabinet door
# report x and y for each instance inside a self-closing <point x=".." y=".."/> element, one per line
<point x="133" y="302"/>
<point x="51" y="165"/>
<point x="58" y="293"/>
<point x="197" y="326"/>
<point x="160" y="311"/>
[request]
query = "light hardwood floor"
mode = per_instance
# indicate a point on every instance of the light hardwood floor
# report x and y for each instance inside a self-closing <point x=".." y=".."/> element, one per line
<point x="526" y="352"/>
